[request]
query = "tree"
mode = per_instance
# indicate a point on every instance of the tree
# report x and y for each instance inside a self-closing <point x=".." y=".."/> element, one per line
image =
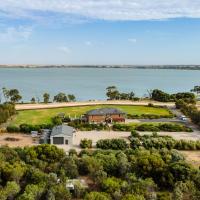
<point x="60" y="192"/>
<point x="196" y="89"/>
<point x="14" y="95"/>
<point x="56" y="120"/>
<point x="97" y="196"/>
<point x="112" y="92"/>
<point x="10" y="190"/>
<point x="46" y="97"/>
<point x="5" y="93"/>
<point x="71" y="97"/>
<point x="133" y="197"/>
<point x="33" y="100"/>
<point x="60" y="97"/>
<point x="159" y="95"/>
<point x="86" y="144"/>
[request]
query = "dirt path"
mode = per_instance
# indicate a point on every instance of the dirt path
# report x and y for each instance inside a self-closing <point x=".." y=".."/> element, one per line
<point x="87" y="103"/>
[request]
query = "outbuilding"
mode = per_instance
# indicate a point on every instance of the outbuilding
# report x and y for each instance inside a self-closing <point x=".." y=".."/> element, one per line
<point x="62" y="135"/>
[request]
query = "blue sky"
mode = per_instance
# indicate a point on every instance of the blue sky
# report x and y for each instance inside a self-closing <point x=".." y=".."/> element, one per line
<point x="100" y="32"/>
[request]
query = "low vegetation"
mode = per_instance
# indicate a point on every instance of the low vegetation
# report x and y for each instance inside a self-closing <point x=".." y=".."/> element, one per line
<point x="40" y="173"/>
<point x="86" y="144"/>
<point x="6" y="111"/>
<point x="159" y="95"/>
<point x="190" y="110"/>
<point x="154" y="126"/>
<point x="153" y="141"/>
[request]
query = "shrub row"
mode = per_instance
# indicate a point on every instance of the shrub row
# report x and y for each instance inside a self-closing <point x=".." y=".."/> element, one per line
<point x="159" y="142"/>
<point x="87" y="126"/>
<point x="166" y="127"/>
<point x="149" y="116"/>
<point x="27" y="128"/>
<point x="114" y="144"/>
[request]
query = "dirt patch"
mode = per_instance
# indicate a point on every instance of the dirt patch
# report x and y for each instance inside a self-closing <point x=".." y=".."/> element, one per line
<point x="18" y="140"/>
<point x="193" y="157"/>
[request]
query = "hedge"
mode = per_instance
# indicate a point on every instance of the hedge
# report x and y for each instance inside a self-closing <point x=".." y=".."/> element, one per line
<point x="114" y="144"/>
<point x="165" y="127"/>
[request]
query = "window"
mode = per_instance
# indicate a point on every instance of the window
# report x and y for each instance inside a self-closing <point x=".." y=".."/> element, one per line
<point x="58" y="140"/>
<point x="66" y="142"/>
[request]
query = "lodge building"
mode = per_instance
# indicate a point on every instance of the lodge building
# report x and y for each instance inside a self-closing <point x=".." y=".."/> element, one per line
<point x="105" y="115"/>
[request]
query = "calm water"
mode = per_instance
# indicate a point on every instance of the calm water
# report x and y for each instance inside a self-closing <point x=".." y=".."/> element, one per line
<point x="91" y="83"/>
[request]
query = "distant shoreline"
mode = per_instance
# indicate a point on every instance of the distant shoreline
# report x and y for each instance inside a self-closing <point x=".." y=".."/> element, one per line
<point x="175" y="67"/>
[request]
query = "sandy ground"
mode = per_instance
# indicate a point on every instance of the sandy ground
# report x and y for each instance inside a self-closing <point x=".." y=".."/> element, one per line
<point x="193" y="157"/>
<point x="24" y="140"/>
<point x="86" y="103"/>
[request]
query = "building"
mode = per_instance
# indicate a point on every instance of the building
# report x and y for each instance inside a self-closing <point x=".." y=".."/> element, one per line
<point x="107" y="115"/>
<point x="71" y="183"/>
<point x="45" y="136"/>
<point x="62" y="135"/>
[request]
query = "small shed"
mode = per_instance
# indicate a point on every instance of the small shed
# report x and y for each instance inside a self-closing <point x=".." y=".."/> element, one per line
<point x="62" y="135"/>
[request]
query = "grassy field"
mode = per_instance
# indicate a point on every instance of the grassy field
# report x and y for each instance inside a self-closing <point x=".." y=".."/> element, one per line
<point x="45" y="115"/>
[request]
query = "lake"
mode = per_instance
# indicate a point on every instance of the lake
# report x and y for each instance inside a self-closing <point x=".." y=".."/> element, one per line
<point x="91" y="83"/>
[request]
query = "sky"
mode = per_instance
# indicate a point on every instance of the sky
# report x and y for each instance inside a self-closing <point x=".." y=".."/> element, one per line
<point x="88" y="32"/>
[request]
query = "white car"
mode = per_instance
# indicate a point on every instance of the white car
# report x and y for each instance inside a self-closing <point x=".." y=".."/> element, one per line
<point x="183" y="117"/>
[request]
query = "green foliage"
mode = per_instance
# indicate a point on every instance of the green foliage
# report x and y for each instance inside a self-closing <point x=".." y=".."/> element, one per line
<point x="46" y="97"/>
<point x="190" y="110"/>
<point x="149" y="116"/>
<point x="152" y="127"/>
<point x="32" y="192"/>
<point x="13" y="129"/>
<point x="60" y="97"/>
<point x="87" y="126"/>
<point x="97" y="196"/>
<point x="11" y="95"/>
<point x="71" y="98"/>
<point x="115" y="144"/>
<point x="86" y="144"/>
<point x="40" y="172"/>
<point x="9" y="191"/>
<point x="27" y="128"/>
<point x="159" y="142"/>
<point x="196" y="89"/>
<point x="56" y="120"/>
<point x="110" y="185"/>
<point x="159" y="95"/>
<point x="33" y="100"/>
<point x="6" y="111"/>
<point x="113" y="94"/>
<point x="133" y="197"/>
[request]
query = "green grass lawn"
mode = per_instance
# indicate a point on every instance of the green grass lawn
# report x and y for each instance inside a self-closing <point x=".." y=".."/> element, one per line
<point x="45" y="115"/>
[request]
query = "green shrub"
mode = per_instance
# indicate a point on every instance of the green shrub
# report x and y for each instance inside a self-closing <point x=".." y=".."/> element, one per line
<point x="147" y="127"/>
<point x="114" y="144"/>
<point x="86" y="144"/>
<point x="13" y="129"/>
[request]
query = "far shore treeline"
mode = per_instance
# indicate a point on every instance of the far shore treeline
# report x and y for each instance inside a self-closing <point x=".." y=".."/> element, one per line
<point x="112" y="93"/>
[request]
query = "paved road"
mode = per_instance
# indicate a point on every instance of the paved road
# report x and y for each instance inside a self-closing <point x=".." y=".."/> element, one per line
<point x="86" y="103"/>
